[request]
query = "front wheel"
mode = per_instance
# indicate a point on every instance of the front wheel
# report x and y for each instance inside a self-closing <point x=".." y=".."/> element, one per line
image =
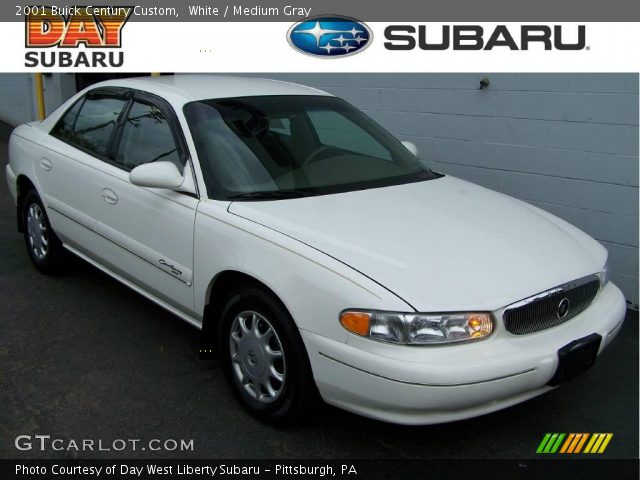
<point x="264" y="359"/>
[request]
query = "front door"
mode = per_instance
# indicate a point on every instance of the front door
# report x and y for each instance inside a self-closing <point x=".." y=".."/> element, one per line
<point x="149" y="231"/>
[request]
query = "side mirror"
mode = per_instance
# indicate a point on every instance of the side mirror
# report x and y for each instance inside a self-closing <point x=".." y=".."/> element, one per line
<point x="411" y="147"/>
<point x="156" y="175"/>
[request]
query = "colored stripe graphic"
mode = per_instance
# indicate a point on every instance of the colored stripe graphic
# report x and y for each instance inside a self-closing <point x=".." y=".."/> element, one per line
<point x="598" y="443"/>
<point x="604" y="445"/>
<point x="550" y="443"/>
<point x="593" y="439"/>
<point x="567" y="443"/>
<point x="543" y="443"/>
<point x="583" y="439"/>
<point x="573" y="443"/>
<point x="556" y="445"/>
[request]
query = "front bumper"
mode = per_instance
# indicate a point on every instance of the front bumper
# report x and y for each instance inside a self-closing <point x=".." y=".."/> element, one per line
<point x="423" y="385"/>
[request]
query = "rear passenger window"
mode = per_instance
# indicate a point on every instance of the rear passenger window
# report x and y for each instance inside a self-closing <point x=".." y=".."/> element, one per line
<point x="147" y="137"/>
<point x="89" y="124"/>
<point x="64" y="127"/>
<point x="96" y="122"/>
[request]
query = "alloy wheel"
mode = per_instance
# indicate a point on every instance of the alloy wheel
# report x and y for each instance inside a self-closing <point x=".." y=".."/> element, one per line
<point x="37" y="232"/>
<point x="257" y="356"/>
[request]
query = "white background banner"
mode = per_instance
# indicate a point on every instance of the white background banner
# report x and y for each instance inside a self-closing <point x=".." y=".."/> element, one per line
<point x="263" y="47"/>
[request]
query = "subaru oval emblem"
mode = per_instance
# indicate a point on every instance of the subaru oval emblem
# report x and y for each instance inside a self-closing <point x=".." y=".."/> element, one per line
<point x="329" y="37"/>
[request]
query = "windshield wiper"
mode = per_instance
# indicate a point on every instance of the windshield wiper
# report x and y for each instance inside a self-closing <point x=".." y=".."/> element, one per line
<point x="270" y="195"/>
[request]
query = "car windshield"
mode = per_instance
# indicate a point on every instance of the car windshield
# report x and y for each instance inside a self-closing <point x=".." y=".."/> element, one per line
<point x="276" y="147"/>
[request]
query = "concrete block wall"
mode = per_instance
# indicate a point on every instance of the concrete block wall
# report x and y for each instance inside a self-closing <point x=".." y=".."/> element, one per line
<point x="17" y="97"/>
<point x="17" y="101"/>
<point x="567" y="143"/>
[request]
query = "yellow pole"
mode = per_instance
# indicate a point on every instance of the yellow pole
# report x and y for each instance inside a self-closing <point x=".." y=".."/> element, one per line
<point x="40" y="96"/>
<point x="155" y="74"/>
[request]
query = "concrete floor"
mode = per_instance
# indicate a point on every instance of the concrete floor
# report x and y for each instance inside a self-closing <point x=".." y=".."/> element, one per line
<point x="81" y="356"/>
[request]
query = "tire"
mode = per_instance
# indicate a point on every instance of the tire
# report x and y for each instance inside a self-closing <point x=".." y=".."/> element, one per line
<point x="254" y="362"/>
<point x="43" y="245"/>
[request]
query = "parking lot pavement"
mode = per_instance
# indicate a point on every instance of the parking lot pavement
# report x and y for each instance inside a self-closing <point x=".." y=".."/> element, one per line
<point x="83" y="357"/>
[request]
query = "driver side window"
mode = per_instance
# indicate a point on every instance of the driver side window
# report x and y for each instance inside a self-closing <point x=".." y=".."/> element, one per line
<point x="146" y="137"/>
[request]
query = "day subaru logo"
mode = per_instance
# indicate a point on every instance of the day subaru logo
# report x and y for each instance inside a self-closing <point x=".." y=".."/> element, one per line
<point x="329" y="37"/>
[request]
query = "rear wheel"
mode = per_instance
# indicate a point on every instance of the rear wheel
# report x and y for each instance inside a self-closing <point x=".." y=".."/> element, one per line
<point x="264" y="359"/>
<point x="44" y="247"/>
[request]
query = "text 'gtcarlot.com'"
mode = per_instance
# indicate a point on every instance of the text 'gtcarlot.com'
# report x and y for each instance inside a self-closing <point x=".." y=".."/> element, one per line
<point x="47" y="443"/>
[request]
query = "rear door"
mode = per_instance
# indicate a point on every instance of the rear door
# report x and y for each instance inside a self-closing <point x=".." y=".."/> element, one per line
<point x="150" y="230"/>
<point x="68" y="167"/>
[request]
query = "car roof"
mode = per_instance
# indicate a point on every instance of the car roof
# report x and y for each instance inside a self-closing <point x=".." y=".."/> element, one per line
<point x="181" y="89"/>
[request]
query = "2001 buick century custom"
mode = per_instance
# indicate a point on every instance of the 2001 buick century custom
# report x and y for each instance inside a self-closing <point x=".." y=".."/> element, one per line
<point x="315" y="251"/>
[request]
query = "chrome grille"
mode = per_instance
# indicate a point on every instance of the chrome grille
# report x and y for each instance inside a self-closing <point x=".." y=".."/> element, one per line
<point x="543" y="310"/>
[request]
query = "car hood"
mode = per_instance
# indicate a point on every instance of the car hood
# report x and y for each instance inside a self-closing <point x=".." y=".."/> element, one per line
<point x="440" y="245"/>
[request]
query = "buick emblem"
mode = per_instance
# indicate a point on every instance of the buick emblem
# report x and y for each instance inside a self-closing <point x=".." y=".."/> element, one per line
<point x="563" y="308"/>
<point x="329" y="37"/>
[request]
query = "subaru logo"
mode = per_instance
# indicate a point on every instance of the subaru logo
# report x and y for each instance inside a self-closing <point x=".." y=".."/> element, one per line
<point x="563" y="308"/>
<point x="329" y="37"/>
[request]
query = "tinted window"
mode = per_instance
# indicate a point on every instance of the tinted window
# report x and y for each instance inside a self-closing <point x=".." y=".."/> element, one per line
<point x="89" y="124"/>
<point x="64" y="127"/>
<point x="334" y="129"/>
<point x="96" y="122"/>
<point x="254" y="147"/>
<point x="280" y="125"/>
<point x="146" y="137"/>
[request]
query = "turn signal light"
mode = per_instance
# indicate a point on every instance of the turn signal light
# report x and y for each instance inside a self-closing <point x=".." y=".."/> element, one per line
<point x="479" y="325"/>
<point x="356" y="322"/>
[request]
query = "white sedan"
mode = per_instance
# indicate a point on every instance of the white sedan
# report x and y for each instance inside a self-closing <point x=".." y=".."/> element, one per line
<point x="315" y="251"/>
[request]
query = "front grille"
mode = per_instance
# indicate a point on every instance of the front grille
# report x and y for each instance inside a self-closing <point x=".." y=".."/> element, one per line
<point x="544" y="310"/>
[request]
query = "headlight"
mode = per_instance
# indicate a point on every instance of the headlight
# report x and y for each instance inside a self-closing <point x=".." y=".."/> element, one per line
<point x="418" y="328"/>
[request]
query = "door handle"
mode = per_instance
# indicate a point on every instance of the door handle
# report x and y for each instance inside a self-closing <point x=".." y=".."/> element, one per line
<point x="109" y="196"/>
<point x="46" y="164"/>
